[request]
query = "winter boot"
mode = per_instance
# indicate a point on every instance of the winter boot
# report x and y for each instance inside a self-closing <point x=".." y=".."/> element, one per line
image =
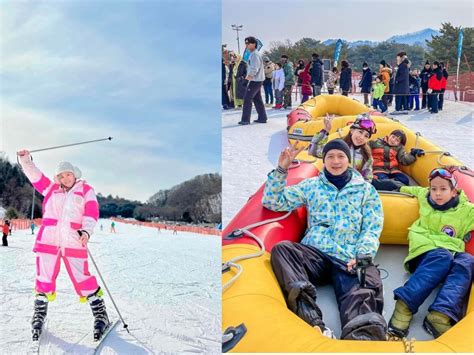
<point x="302" y="301"/>
<point x="436" y="323"/>
<point x="39" y="315"/>
<point x="400" y="321"/>
<point x="101" y="320"/>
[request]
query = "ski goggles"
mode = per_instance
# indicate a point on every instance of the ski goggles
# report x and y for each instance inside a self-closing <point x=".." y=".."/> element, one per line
<point x="443" y="174"/>
<point x="366" y="124"/>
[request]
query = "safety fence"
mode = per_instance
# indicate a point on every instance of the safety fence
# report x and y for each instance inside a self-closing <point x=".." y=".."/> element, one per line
<point x="165" y="226"/>
<point x="21" y="224"/>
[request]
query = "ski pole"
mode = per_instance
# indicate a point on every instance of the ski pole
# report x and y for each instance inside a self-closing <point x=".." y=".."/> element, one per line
<point x="70" y="145"/>
<point x="125" y="325"/>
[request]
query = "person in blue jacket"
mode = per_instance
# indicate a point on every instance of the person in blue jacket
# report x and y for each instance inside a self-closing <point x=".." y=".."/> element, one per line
<point x="345" y="220"/>
<point x="365" y="83"/>
<point x="415" y="83"/>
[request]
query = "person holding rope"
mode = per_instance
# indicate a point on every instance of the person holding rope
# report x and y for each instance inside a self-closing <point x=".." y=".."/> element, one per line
<point x="345" y="220"/>
<point x="70" y="213"/>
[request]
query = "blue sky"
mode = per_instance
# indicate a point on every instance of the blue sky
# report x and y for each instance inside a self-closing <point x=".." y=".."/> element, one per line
<point x="145" y="72"/>
<point x="375" y="20"/>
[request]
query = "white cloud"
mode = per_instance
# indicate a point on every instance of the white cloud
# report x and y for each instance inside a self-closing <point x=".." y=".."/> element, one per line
<point x="125" y="166"/>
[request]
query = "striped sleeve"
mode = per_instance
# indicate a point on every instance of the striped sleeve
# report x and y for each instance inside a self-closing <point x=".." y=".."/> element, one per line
<point x="39" y="181"/>
<point x="91" y="210"/>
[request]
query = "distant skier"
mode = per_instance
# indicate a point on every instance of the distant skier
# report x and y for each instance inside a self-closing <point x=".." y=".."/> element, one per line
<point x="5" y="231"/>
<point x="175" y="230"/>
<point x="159" y="229"/>
<point x="70" y="213"/>
<point x="32" y="226"/>
<point x="101" y="227"/>
<point x="112" y="227"/>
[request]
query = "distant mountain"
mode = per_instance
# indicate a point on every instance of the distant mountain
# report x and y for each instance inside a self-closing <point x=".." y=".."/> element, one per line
<point x="198" y="199"/>
<point x="328" y="42"/>
<point x="414" y="38"/>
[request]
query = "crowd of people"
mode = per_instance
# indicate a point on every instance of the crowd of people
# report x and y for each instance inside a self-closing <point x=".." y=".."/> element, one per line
<point x="403" y="84"/>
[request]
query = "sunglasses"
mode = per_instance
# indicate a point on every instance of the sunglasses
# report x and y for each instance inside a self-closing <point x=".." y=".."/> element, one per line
<point x="444" y="174"/>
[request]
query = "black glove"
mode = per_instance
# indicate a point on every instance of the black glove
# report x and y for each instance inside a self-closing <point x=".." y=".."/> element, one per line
<point x="417" y="152"/>
<point x="82" y="231"/>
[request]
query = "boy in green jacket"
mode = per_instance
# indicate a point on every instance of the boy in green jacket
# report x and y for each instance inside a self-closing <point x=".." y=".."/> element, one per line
<point x="436" y="254"/>
<point x="379" y="90"/>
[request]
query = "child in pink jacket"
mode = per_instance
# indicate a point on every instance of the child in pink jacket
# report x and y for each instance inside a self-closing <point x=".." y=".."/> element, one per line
<point x="70" y="213"/>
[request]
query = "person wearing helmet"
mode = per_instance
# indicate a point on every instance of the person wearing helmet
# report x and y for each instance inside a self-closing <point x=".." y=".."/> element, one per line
<point x="70" y="213"/>
<point x="359" y="134"/>
<point x="436" y="255"/>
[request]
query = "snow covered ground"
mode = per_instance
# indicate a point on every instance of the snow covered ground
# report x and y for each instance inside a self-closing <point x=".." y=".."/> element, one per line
<point x="166" y="286"/>
<point x="250" y="152"/>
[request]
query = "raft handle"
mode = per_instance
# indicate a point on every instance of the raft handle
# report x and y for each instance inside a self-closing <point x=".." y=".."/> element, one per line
<point x="235" y="234"/>
<point x="232" y="336"/>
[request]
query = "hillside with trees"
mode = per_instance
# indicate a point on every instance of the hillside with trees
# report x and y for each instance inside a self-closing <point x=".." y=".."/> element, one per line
<point x="442" y="47"/>
<point x="193" y="201"/>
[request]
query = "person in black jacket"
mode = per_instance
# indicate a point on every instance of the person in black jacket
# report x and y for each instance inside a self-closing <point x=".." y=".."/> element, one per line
<point x="401" y="87"/>
<point x="345" y="80"/>
<point x="225" y="97"/>
<point x="443" y="89"/>
<point x="365" y="83"/>
<point x="316" y="74"/>
<point x="425" y="76"/>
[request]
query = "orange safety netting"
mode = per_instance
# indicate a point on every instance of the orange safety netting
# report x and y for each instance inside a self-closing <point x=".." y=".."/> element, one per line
<point x="191" y="229"/>
<point x="19" y="224"/>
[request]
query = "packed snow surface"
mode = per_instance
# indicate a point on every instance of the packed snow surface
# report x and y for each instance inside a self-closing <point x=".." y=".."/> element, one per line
<point x="167" y="288"/>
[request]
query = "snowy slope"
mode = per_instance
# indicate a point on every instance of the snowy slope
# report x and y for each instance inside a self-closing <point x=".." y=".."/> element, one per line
<point x="250" y="152"/>
<point x="166" y="286"/>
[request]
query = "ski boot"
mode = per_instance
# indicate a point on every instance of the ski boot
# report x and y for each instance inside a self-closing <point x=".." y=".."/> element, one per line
<point x="400" y="321"/>
<point x="39" y="315"/>
<point x="101" y="320"/>
<point x="436" y="323"/>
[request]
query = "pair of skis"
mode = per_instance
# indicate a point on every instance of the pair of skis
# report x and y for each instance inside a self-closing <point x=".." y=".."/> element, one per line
<point x="98" y="344"/>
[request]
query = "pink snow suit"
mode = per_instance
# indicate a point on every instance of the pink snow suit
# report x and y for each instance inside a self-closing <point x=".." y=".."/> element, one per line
<point x="64" y="213"/>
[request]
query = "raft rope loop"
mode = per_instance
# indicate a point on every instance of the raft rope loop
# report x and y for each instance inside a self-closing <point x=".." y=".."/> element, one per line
<point x="246" y="231"/>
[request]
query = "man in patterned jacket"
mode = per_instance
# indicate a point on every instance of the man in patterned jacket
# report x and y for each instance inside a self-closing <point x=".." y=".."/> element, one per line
<point x="345" y="219"/>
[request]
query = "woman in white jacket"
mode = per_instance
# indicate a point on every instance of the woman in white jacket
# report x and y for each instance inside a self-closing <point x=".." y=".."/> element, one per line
<point x="278" y="82"/>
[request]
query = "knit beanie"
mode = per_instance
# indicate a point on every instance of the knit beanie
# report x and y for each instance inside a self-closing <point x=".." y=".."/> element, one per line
<point x="337" y="144"/>
<point x="65" y="166"/>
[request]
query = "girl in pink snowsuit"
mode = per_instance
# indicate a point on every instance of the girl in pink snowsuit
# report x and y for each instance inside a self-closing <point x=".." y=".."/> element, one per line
<point x="70" y="213"/>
